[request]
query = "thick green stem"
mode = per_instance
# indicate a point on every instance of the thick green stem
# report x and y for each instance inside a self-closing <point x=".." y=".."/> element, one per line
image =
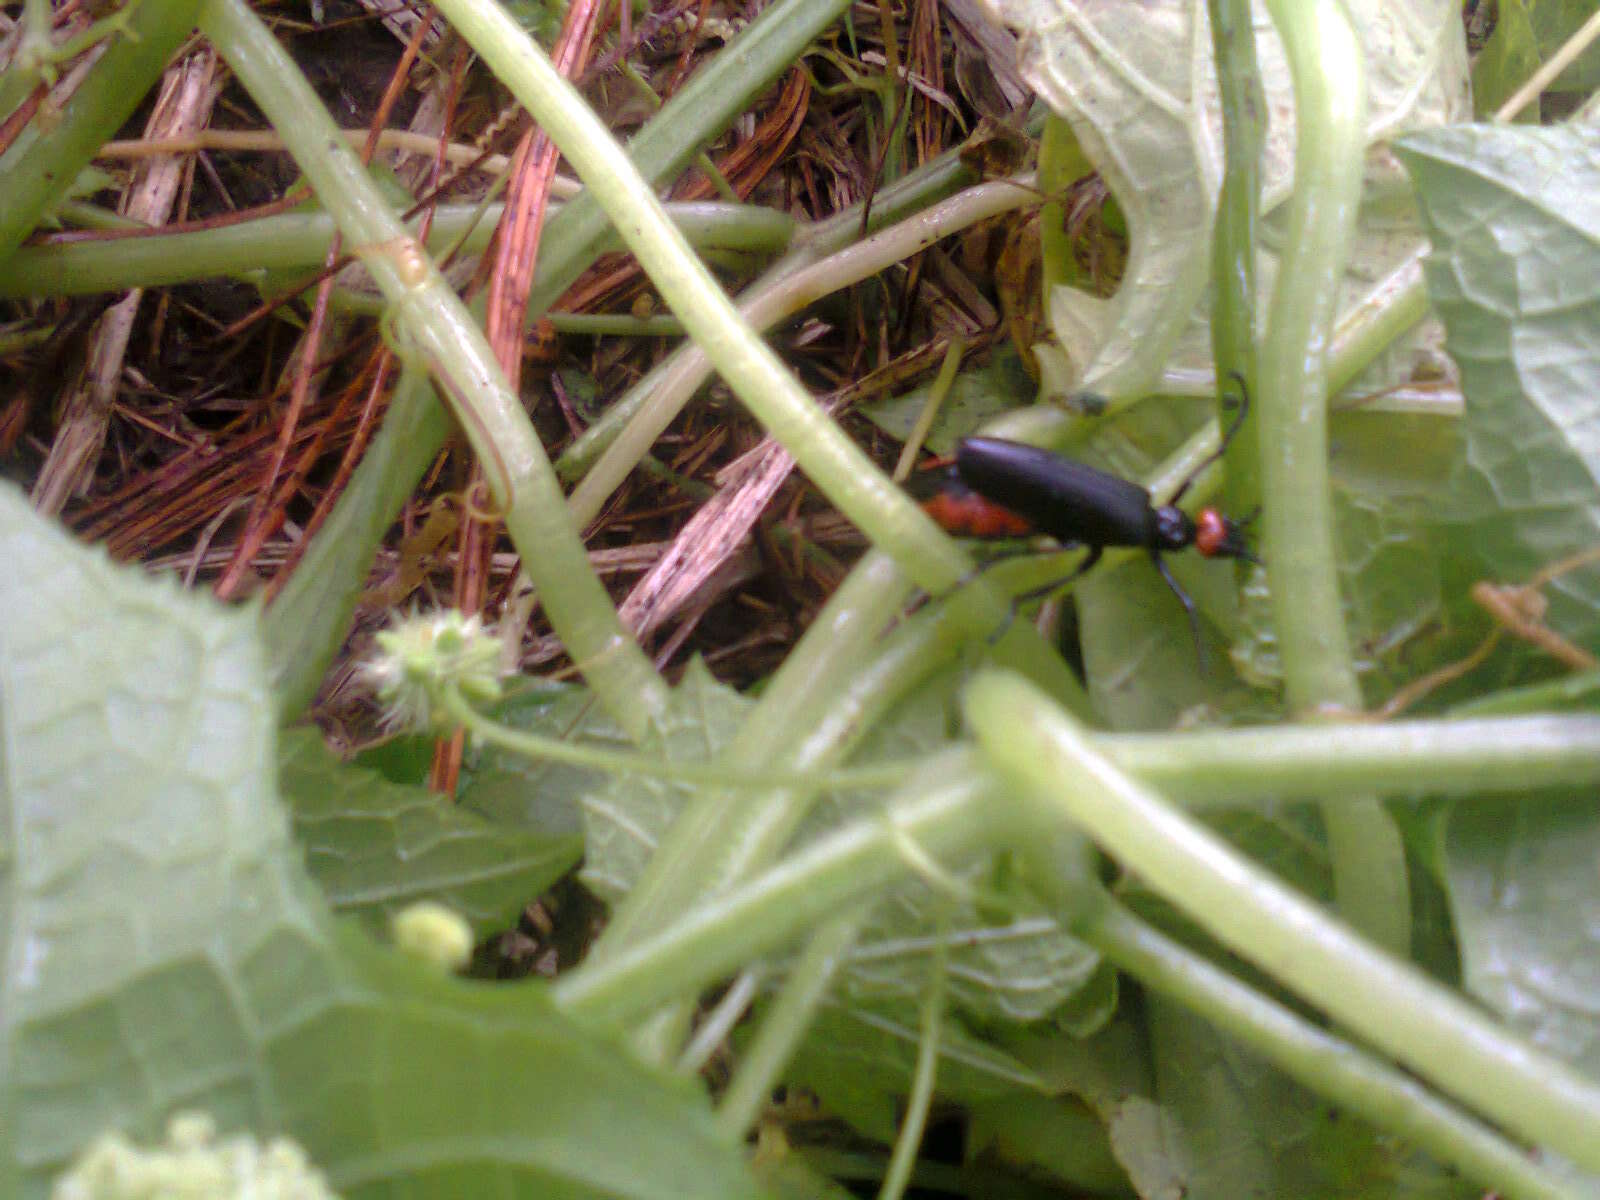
<point x="1233" y="245"/>
<point x="36" y="176"/>
<point x="723" y="835"/>
<point x="433" y="329"/>
<point x="292" y="242"/>
<point x="1049" y="760"/>
<point x="1340" y="762"/>
<point x="1297" y="523"/>
<point x="306" y="624"/>
<point x="1371" y="888"/>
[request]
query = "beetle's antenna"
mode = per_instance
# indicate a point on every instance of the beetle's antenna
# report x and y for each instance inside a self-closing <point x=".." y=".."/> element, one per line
<point x="1227" y="437"/>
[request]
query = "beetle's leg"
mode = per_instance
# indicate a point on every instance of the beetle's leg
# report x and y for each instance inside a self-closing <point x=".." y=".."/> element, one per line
<point x="1054" y="585"/>
<point x="1188" y="608"/>
<point x="994" y="560"/>
<point x="1037" y="593"/>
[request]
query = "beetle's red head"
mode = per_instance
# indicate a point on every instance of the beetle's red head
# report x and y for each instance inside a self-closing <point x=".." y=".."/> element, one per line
<point x="1217" y="537"/>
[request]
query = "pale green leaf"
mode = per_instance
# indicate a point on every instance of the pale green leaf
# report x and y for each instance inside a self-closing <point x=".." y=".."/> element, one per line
<point x="1137" y="84"/>
<point x="1524" y="883"/>
<point x="165" y="950"/>
<point x="1514" y="217"/>
<point x="1224" y="1123"/>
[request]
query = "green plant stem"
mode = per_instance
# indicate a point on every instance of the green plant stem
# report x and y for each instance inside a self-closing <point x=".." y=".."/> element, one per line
<point x="938" y="392"/>
<point x="1570" y="691"/>
<point x="33" y="60"/>
<point x="1049" y="761"/>
<point x="832" y="461"/>
<point x="292" y="242"/>
<point x="1327" y="1064"/>
<point x="1233" y="244"/>
<point x="1371" y="888"/>
<point x="925" y="186"/>
<point x="433" y="328"/>
<point x="785" y="1023"/>
<point x="704" y="106"/>
<point x="1061" y="163"/>
<point x="1199" y="768"/>
<point x="1297" y="525"/>
<point x="307" y="622"/>
<point x="36" y="176"/>
<point x="702" y="160"/>
<point x="919" y="1099"/>
<point x="1309" y="762"/>
<point x="663" y="393"/>
<point x="712" y="1033"/>
<point x="853" y="863"/>
<point x="539" y="748"/>
<point x="721" y="835"/>
<point x="1368" y="328"/>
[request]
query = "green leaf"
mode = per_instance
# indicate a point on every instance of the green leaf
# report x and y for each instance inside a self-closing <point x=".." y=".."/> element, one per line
<point x="1509" y="57"/>
<point x="375" y="846"/>
<point x="1527" y="34"/>
<point x="1521" y="875"/>
<point x="1058" y="1135"/>
<point x="1227" y="1124"/>
<point x="859" y="1060"/>
<point x="625" y="816"/>
<point x="514" y="790"/>
<point x="1514" y="216"/>
<point x="977" y="394"/>
<point x="1107" y="1075"/>
<point x="165" y="949"/>
<point x="1006" y="958"/>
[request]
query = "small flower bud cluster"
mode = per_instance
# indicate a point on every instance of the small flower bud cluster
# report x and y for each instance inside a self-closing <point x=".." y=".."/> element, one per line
<point x="192" y="1165"/>
<point x="419" y="656"/>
